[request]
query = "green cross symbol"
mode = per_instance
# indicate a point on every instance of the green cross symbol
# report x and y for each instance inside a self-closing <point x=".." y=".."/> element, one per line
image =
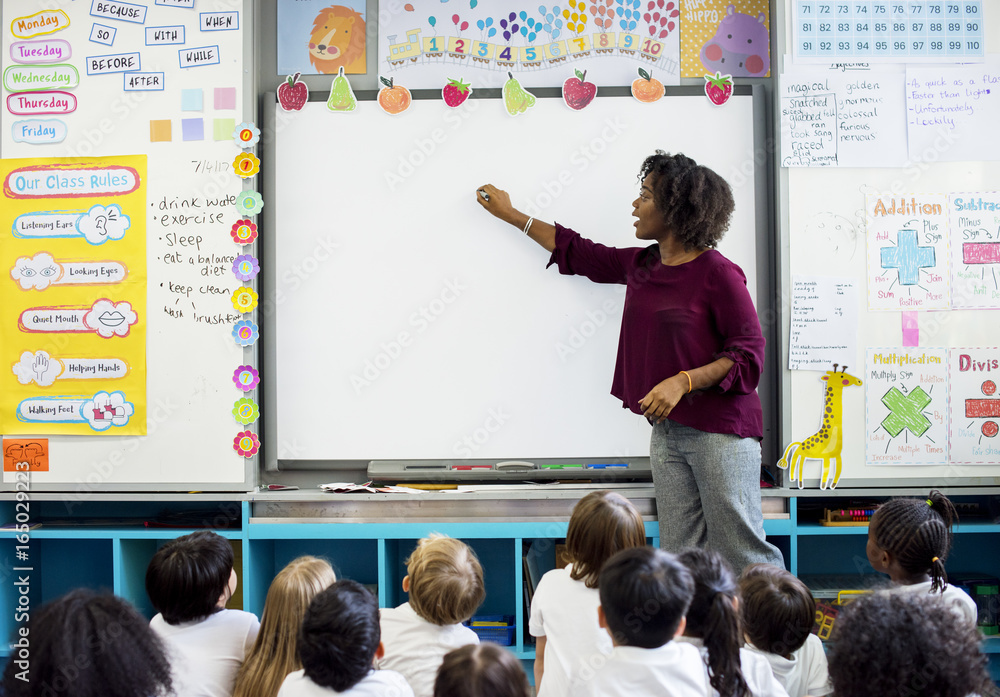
<point x="904" y="411"/>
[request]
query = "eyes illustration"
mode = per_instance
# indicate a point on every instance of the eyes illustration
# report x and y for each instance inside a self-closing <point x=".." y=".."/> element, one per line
<point x="47" y="272"/>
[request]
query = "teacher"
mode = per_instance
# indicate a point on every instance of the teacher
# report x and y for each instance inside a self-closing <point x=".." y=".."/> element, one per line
<point x="690" y="352"/>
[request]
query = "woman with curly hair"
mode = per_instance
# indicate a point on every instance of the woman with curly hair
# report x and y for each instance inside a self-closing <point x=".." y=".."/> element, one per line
<point x="893" y="645"/>
<point x="88" y="645"/>
<point x="690" y="352"/>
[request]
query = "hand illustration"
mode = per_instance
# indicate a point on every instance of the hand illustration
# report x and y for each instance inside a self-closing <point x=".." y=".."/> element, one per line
<point x="40" y="366"/>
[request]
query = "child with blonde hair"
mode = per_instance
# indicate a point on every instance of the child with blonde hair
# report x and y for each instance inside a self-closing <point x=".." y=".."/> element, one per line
<point x="273" y="655"/>
<point x="564" y="607"/>
<point x="445" y="584"/>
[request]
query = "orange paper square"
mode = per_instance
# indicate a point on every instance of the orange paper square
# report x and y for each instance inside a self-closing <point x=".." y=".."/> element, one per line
<point x="159" y="131"/>
<point x="25" y="454"/>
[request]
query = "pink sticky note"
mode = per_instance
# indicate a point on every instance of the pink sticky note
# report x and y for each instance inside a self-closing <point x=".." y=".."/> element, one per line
<point x="911" y="330"/>
<point x="225" y="97"/>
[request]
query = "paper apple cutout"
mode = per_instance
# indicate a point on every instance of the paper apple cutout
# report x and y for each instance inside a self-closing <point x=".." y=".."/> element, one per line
<point x="293" y="94"/>
<point x="577" y="92"/>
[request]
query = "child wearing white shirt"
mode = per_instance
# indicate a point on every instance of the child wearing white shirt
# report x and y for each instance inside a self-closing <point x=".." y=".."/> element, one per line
<point x="189" y="581"/>
<point x="778" y="613"/>
<point x="713" y="626"/>
<point x="445" y="584"/>
<point x="564" y="608"/>
<point x="339" y="642"/>
<point x="644" y="594"/>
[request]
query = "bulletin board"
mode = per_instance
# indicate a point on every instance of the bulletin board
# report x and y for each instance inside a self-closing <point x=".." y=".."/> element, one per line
<point x="409" y="324"/>
<point x="117" y="131"/>
<point x="911" y="224"/>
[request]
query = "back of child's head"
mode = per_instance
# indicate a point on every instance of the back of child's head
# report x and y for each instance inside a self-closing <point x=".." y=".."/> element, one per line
<point x="777" y="609"/>
<point x="480" y="670"/>
<point x="602" y="524"/>
<point x="273" y="655"/>
<point x="446" y="580"/>
<point x="906" y="644"/>
<point x="714" y="618"/>
<point x="188" y="575"/>
<point x="644" y="594"/>
<point x="340" y="635"/>
<point x="85" y="644"/>
<point x="917" y="533"/>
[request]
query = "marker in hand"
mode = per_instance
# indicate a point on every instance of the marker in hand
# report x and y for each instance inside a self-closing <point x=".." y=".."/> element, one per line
<point x="486" y="196"/>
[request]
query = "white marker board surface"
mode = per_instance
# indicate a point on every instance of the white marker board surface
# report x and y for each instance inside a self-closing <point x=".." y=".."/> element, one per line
<point x="410" y="324"/>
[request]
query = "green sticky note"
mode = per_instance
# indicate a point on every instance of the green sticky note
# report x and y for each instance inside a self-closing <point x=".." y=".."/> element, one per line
<point x="224" y="128"/>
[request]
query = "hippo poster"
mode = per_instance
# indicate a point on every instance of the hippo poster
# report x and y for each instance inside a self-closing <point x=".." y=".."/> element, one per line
<point x="731" y="37"/>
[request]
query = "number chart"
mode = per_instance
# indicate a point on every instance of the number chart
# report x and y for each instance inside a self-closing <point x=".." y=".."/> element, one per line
<point x="888" y="31"/>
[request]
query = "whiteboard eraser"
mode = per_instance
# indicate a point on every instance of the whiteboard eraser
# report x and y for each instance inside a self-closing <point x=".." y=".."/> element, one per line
<point x="515" y="465"/>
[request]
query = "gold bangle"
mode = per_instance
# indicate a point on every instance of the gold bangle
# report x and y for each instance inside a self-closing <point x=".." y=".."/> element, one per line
<point x="685" y="374"/>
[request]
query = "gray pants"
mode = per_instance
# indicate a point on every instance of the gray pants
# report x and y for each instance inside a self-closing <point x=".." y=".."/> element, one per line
<point x="708" y="494"/>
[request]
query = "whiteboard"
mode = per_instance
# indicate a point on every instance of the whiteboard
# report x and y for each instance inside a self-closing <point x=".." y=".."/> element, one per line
<point x="190" y="356"/>
<point x="410" y="324"/>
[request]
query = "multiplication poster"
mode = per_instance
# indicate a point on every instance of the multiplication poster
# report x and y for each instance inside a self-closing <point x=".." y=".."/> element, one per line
<point x="73" y="320"/>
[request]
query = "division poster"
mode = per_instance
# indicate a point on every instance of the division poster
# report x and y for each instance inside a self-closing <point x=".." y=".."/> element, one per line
<point x="908" y="252"/>
<point x="906" y="413"/>
<point x="73" y="320"/>
<point x="975" y="405"/>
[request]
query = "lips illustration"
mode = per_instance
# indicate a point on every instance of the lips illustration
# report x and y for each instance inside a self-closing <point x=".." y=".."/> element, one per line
<point x="111" y="319"/>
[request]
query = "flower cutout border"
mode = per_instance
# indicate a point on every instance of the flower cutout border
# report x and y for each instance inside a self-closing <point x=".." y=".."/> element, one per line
<point x="246" y="333"/>
<point x="246" y="165"/>
<point x="244" y="231"/>
<point x="246" y="267"/>
<point x="246" y="377"/>
<point x="245" y="411"/>
<point x="246" y="135"/>
<point x="245" y="299"/>
<point x="246" y="443"/>
<point x="249" y="203"/>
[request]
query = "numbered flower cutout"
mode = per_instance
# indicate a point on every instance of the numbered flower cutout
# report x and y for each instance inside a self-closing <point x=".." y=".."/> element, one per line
<point x="249" y="203"/>
<point x="246" y="377"/>
<point x="246" y="267"/>
<point x="246" y="135"/>
<point x="243" y="232"/>
<point x="246" y="443"/>
<point x="246" y="165"/>
<point x="246" y="333"/>
<point x="245" y="411"/>
<point x="245" y="299"/>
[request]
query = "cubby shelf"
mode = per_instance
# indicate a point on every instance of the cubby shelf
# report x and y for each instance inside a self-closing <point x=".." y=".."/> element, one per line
<point x="66" y="552"/>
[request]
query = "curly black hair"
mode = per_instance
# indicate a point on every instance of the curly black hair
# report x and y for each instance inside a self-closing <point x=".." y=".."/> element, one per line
<point x="917" y="532"/>
<point x="913" y="644"/>
<point x="695" y="201"/>
<point x="87" y="644"/>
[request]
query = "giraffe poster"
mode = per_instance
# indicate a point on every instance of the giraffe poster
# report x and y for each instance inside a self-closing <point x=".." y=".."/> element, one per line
<point x="828" y="441"/>
<point x="975" y="406"/>
<point x="975" y="258"/>
<point x="908" y="252"/>
<point x="906" y="406"/>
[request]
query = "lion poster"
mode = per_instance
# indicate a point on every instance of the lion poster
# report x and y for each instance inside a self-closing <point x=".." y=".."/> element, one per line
<point x="318" y="37"/>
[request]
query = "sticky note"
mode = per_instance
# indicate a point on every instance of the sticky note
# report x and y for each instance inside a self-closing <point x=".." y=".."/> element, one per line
<point x="193" y="129"/>
<point x="159" y="131"/>
<point x="192" y="100"/>
<point x="911" y="329"/>
<point x="223" y="129"/>
<point x="225" y="97"/>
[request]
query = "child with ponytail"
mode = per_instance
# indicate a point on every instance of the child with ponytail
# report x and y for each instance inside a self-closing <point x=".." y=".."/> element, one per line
<point x="713" y="625"/>
<point x="909" y="539"/>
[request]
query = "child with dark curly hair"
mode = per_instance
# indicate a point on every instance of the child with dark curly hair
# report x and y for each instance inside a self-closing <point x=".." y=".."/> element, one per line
<point x="909" y="539"/>
<point x="88" y="645"/>
<point x="690" y="353"/>
<point x="909" y="645"/>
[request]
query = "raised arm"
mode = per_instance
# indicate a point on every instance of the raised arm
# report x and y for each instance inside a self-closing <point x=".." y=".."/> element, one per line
<point x="497" y="203"/>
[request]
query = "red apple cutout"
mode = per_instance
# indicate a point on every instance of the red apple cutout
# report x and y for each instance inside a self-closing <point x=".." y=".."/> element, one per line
<point x="293" y="94"/>
<point x="577" y="92"/>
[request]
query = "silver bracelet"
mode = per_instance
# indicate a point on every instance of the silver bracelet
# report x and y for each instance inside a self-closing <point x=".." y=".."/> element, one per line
<point x="527" y="225"/>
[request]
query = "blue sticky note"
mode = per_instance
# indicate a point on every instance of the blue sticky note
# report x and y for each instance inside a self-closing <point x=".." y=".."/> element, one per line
<point x="193" y="129"/>
<point x="191" y="100"/>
